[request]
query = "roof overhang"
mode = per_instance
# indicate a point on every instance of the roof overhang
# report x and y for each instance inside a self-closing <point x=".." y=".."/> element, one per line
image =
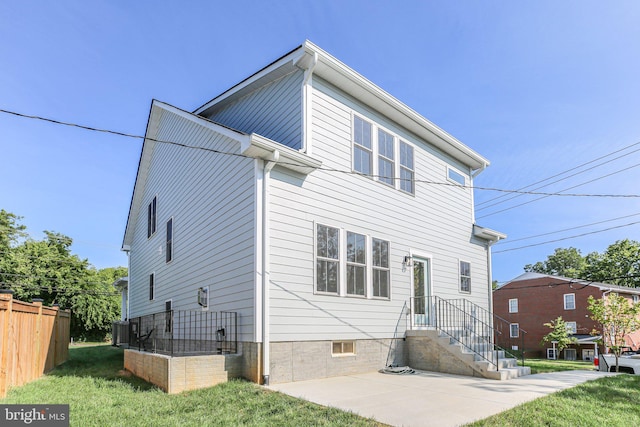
<point x="263" y="148"/>
<point x="349" y="81"/>
<point x="488" y="234"/>
<point x="121" y="284"/>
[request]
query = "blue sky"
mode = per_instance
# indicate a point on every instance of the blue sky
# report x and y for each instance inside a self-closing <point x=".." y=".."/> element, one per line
<point x="536" y="87"/>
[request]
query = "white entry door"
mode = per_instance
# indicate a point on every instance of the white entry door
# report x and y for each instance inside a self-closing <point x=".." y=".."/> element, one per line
<point x="421" y="292"/>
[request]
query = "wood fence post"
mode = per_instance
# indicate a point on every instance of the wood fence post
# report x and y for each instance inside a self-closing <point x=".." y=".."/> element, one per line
<point x="6" y="299"/>
<point x="37" y="361"/>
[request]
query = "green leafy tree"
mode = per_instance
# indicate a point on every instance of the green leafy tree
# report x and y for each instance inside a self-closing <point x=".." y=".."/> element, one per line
<point x="567" y="262"/>
<point x="618" y="316"/>
<point x="618" y="265"/>
<point x="559" y="335"/>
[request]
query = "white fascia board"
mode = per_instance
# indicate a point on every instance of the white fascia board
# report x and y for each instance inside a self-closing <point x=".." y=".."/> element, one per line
<point x="488" y="234"/>
<point x="158" y="108"/>
<point x="260" y="147"/>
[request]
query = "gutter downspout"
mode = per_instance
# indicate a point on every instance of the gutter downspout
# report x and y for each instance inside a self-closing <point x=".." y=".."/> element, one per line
<point x="270" y="163"/>
<point x="306" y="106"/>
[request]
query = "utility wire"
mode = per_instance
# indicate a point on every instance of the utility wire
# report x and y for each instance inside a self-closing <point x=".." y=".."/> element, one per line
<point x="567" y="238"/>
<point x="211" y="150"/>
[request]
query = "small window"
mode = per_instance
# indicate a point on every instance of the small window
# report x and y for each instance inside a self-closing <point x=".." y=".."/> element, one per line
<point x="386" y="156"/>
<point x="514" y="330"/>
<point x="169" y="251"/>
<point x="551" y="353"/>
<point x="362" y="148"/>
<point x="152" y="285"/>
<point x="406" y="168"/>
<point x="356" y="264"/>
<point x="513" y="305"/>
<point x="569" y="301"/>
<point x="168" y="315"/>
<point x="327" y="259"/>
<point x="456" y="177"/>
<point x="203" y="297"/>
<point x="151" y="217"/>
<point x="572" y="327"/>
<point x="636" y="298"/>
<point x="343" y="347"/>
<point x="465" y="276"/>
<point x="381" y="271"/>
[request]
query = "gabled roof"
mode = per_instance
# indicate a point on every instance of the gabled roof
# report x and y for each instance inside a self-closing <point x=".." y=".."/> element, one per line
<point x="601" y="286"/>
<point x="250" y="145"/>
<point x="322" y="64"/>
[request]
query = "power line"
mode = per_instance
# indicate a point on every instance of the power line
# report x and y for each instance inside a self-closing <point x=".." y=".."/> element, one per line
<point x="509" y="241"/>
<point x="564" y="172"/>
<point x="211" y="150"/>
<point x="567" y="238"/>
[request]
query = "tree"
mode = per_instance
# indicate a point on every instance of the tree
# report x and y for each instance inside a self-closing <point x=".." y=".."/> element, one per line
<point x="618" y="265"/>
<point x="567" y="262"/>
<point x="559" y="335"/>
<point x="618" y="317"/>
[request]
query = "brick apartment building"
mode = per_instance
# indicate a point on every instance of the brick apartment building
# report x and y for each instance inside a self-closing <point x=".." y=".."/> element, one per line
<point x="532" y="299"/>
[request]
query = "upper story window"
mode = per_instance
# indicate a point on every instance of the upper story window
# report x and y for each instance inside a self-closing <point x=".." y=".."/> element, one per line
<point x="327" y="259"/>
<point x="386" y="156"/>
<point x="513" y="305"/>
<point x="362" y="146"/>
<point x="344" y="266"/>
<point x="465" y="276"/>
<point x="151" y="217"/>
<point x="572" y="327"/>
<point x="456" y="177"/>
<point x="369" y="141"/>
<point x="381" y="271"/>
<point x="169" y="251"/>
<point x="569" y="301"/>
<point x="406" y="168"/>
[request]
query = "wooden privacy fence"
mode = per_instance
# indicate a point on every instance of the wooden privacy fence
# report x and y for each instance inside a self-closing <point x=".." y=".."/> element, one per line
<point x="33" y="340"/>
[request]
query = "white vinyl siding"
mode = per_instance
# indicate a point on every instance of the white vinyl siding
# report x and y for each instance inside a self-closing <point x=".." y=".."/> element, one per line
<point x="272" y="111"/>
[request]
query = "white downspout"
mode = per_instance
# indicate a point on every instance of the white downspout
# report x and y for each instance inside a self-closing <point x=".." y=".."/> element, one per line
<point x="128" y="283"/>
<point x="271" y="162"/>
<point x="306" y="106"/>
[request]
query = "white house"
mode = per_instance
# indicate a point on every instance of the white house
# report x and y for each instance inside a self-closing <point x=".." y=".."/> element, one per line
<point x="323" y="211"/>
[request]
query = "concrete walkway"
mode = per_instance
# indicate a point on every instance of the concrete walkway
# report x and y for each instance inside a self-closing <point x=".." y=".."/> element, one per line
<point x="429" y="398"/>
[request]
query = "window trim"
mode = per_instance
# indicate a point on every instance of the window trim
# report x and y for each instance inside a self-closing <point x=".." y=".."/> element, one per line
<point x="152" y="217"/>
<point x="169" y="242"/>
<point x="554" y="352"/>
<point x="343" y="353"/>
<point x="375" y="268"/>
<point x="517" y="326"/>
<point x="152" y="286"/>
<point x="511" y="310"/>
<point x="402" y="167"/>
<point x="461" y="276"/>
<point x="380" y="157"/>
<point x="316" y="257"/>
<point x="356" y="264"/>
<point x="371" y="150"/>
<point x="574" y="329"/>
<point x="564" y="298"/>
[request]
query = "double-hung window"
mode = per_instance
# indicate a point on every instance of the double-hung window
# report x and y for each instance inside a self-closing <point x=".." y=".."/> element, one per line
<point x="406" y="168"/>
<point x="513" y="305"/>
<point x="327" y="259"/>
<point x="362" y="147"/>
<point x="151" y="217"/>
<point x="386" y="156"/>
<point x="569" y="301"/>
<point x="465" y="276"/>
<point x="572" y="327"/>
<point x="381" y="271"/>
<point x="514" y="330"/>
<point x="356" y="264"/>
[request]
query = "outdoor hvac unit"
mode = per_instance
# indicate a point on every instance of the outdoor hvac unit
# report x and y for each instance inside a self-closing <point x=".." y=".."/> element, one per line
<point x="203" y="297"/>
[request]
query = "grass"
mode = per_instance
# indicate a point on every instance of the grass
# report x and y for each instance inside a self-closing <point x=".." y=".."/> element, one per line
<point x="539" y="366"/>
<point x="101" y="394"/>
<point x="610" y="401"/>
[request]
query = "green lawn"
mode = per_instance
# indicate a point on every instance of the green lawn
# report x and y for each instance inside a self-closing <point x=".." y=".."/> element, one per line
<point x="539" y="366"/>
<point x="101" y="394"/>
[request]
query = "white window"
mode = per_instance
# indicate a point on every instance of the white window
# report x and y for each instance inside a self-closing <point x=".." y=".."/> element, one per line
<point x="636" y="298"/>
<point x="569" y="301"/>
<point x="151" y="217"/>
<point x="152" y="285"/>
<point x="406" y="168"/>
<point x="356" y="264"/>
<point x="327" y="259"/>
<point x="343" y="348"/>
<point x="572" y="327"/>
<point x="514" y="330"/>
<point x="569" y="354"/>
<point x="456" y="177"/>
<point x="552" y="353"/>
<point x="381" y="271"/>
<point x="386" y="156"/>
<point x="362" y="146"/>
<point x="169" y="251"/>
<point x="465" y="276"/>
<point x="513" y="305"/>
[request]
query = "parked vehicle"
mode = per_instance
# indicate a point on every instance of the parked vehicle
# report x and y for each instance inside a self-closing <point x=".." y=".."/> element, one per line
<point x="627" y="363"/>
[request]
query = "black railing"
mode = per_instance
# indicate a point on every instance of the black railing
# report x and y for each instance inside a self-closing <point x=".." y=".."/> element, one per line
<point x="182" y="333"/>
<point x="511" y="341"/>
